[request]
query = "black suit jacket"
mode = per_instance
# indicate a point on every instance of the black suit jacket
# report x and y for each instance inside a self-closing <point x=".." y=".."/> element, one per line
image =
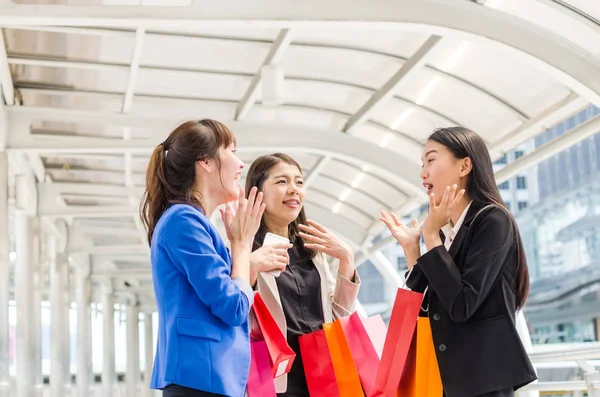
<point x="471" y="300"/>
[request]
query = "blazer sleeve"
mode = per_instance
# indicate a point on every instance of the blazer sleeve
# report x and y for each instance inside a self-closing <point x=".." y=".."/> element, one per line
<point x="341" y="291"/>
<point x="461" y="292"/>
<point x="415" y="279"/>
<point x="191" y="249"/>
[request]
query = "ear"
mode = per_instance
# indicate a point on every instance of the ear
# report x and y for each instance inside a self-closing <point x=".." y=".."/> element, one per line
<point x="465" y="166"/>
<point x="206" y="165"/>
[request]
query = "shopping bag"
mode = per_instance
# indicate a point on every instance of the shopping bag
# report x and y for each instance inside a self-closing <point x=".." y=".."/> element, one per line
<point x="345" y="370"/>
<point x="363" y="335"/>
<point x="318" y="368"/>
<point x="260" y="378"/>
<point x="399" y="338"/>
<point x="428" y="381"/>
<point x="281" y="354"/>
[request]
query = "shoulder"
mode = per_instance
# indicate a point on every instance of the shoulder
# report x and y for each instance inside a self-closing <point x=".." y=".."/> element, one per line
<point x="183" y="219"/>
<point x="495" y="219"/>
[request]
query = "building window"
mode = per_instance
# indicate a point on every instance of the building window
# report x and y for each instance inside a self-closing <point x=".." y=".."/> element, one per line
<point x="521" y="183"/>
<point x="522" y="205"/>
<point x="501" y="160"/>
<point x="504" y="186"/>
<point x="518" y="153"/>
<point x="508" y="205"/>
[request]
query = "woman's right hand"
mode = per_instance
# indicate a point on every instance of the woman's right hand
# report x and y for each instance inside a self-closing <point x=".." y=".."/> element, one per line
<point x="242" y="223"/>
<point x="270" y="257"/>
<point x="405" y="235"/>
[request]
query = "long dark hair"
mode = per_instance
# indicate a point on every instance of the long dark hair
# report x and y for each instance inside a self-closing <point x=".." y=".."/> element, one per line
<point x="171" y="171"/>
<point x="257" y="174"/>
<point x="482" y="188"/>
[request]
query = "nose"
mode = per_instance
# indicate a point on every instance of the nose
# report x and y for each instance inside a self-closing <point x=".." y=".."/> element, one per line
<point x="423" y="173"/>
<point x="293" y="189"/>
<point x="242" y="165"/>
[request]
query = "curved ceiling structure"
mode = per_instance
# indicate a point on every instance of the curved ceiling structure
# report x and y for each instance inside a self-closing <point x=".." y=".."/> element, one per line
<point x="91" y="90"/>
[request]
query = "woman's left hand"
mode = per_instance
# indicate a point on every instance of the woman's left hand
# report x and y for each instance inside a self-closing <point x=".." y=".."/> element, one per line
<point x="439" y="215"/>
<point x="317" y="238"/>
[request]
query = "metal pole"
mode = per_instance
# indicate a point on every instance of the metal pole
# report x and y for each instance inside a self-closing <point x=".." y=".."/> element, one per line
<point x="132" y="377"/>
<point x="83" y="330"/>
<point x="149" y="353"/>
<point x="108" y="318"/>
<point x="23" y="286"/>
<point x="57" y="320"/>
<point x="5" y="269"/>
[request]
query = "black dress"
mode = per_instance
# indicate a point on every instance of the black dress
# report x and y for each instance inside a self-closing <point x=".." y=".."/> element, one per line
<point x="300" y="292"/>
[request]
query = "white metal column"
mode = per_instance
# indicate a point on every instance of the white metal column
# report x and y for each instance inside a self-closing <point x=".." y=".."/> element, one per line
<point x="66" y="332"/>
<point x="108" y="319"/>
<point x="149" y="354"/>
<point x="36" y="323"/>
<point x="5" y="270"/>
<point x="58" y="320"/>
<point x="132" y="377"/>
<point x="84" y="353"/>
<point x="24" y="299"/>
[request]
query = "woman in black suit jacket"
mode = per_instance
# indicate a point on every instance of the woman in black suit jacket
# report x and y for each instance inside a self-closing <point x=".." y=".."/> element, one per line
<point x="474" y="269"/>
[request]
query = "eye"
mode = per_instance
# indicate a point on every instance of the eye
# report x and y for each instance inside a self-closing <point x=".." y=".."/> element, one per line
<point x="300" y="183"/>
<point x="430" y="160"/>
<point x="281" y="181"/>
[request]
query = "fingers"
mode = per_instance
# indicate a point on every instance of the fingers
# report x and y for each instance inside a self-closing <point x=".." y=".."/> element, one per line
<point x="459" y="196"/>
<point x="445" y="197"/>
<point x="396" y="220"/>
<point x="316" y="225"/>
<point x="414" y="223"/>
<point x="431" y="201"/>
<point x="385" y="219"/>
<point x="315" y="247"/>
<point x="312" y="230"/>
<point x="312" y="239"/>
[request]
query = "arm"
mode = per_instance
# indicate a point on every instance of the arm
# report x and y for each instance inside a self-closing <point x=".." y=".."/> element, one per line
<point x="462" y="291"/>
<point x="342" y="290"/>
<point x="191" y="248"/>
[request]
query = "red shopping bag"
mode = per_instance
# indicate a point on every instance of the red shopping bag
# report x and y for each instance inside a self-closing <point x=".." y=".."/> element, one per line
<point x="281" y="354"/>
<point x="260" y="378"/>
<point x="318" y="367"/>
<point x="362" y="336"/>
<point x="396" y="348"/>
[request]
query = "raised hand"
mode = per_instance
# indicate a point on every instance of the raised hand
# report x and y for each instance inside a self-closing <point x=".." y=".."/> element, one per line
<point x="270" y="257"/>
<point x="405" y="235"/>
<point x="439" y="215"/>
<point x="317" y="238"/>
<point x="242" y="223"/>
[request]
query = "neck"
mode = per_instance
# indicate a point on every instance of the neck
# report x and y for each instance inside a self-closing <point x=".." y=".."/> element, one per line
<point x="279" y="228"/>
<point x="207" y="199"/>
<point x="459" y="208"/>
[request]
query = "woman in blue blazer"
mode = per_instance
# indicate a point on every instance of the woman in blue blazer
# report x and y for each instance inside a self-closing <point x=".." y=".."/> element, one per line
<point x="202" y="289"/>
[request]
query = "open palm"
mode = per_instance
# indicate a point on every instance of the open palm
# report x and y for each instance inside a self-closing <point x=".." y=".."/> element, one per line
<point x="404" y="234"/>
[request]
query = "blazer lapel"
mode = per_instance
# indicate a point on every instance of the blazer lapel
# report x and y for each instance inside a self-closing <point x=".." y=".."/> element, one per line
<point x="464" y="229"/>
<point x="320" y="265"/>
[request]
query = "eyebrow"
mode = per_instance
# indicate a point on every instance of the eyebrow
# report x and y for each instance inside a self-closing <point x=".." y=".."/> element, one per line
<point x="429" y="152"/>
<point x="286" y="176"/>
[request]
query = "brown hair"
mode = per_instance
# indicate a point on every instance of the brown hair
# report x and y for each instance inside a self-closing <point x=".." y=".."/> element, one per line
<point x="171" y="171"/>
<point x="482" y="188"/>
<point x="257" y="174"/>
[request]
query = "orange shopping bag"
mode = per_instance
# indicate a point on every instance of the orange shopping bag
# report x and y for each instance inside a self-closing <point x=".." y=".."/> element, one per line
<point x="345" y="371"/>
<point x="428" y="381"/>
<point x="422" y="378"/>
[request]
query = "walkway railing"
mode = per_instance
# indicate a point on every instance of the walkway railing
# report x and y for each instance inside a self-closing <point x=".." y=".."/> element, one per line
<point x="585" y="356"/>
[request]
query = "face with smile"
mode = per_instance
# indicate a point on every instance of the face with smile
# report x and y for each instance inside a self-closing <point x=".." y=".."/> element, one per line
<point x="441" y="169"/>
<point x="283" y="191"/>
<point x="224" y="173"/>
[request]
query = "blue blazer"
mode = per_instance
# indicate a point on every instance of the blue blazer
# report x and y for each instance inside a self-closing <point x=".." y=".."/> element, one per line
<point x="203" y="334"/>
